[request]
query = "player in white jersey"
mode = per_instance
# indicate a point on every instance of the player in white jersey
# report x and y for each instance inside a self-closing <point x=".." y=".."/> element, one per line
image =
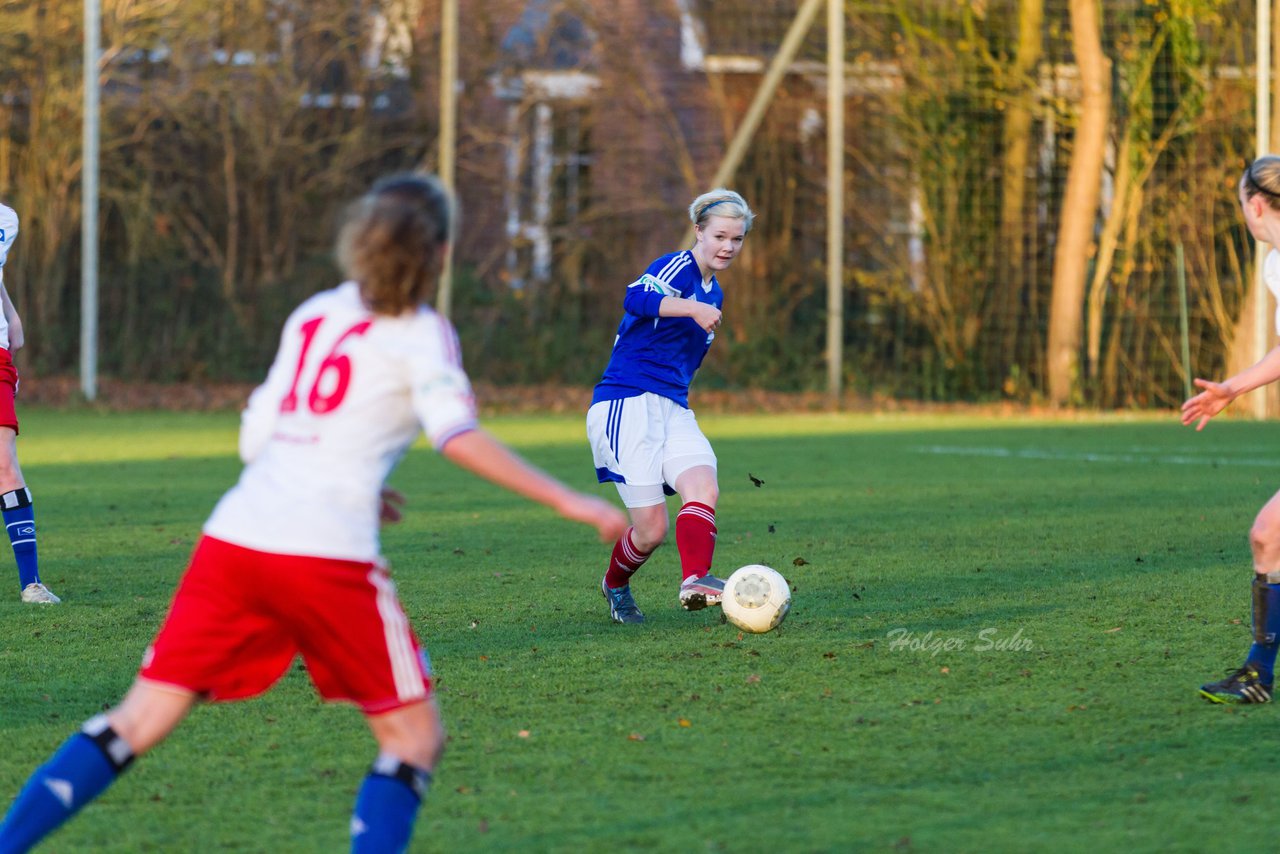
<point x="644" y="438"/>
<point x="1252" y="682"/>
<point x="15" y="498"/>
<point x="289" y="561"/>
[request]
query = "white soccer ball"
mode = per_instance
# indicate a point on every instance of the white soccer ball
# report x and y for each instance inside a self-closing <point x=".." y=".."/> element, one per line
<point x="756" y="598"/>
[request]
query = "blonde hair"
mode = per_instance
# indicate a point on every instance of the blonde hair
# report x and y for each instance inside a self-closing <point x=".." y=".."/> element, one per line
<point x="1262" y="177"/>
<point x="721" y="202"/>
<point x="393" y="240"/>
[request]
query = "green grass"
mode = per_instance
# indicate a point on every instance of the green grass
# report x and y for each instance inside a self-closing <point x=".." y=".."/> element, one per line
<point x="1109" y="556"/>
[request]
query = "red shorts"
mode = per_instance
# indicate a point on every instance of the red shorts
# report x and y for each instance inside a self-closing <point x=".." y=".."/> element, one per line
<point x="241" y="616"/>
<point x="8" y="391"/>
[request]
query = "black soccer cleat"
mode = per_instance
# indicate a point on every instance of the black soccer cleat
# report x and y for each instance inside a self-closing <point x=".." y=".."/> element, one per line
<point x="622" y="605"/>
<point x="1241" y="686"/>
<point x="699" y="593"/>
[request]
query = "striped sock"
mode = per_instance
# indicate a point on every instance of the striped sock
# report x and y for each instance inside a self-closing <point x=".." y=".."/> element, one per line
<point x="696" y="538"/>
<point x="626" y="559"/>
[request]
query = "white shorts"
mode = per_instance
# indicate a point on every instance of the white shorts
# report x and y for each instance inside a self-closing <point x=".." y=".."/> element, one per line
<point x="643" y="444"/>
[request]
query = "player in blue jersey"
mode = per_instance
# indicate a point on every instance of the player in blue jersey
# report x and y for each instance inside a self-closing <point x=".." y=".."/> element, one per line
<point x="643" y="435"/>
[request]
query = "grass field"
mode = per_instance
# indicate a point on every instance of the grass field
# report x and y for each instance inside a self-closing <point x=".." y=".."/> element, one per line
<point x="997" y="632"/>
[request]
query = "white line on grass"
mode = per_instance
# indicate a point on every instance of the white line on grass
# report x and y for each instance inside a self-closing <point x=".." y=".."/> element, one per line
<point x="1090" y="457"/>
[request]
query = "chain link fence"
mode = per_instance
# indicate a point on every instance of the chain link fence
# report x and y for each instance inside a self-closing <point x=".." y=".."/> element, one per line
<point x="233" y="132"/>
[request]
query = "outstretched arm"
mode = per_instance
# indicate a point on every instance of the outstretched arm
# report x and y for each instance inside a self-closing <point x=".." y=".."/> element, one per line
<point x="1214" y="397"/>
<point x="481" y="454"/>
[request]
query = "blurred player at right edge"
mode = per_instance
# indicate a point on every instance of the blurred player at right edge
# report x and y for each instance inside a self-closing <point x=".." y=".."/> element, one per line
<point x="1259" y="192"/>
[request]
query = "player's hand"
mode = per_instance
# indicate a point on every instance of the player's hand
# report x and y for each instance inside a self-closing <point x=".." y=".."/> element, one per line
<point x="389" y="504"/>
<point x="609" y="521"/>
<point x="1208" y="403"/>
<point x="706" y="316"/>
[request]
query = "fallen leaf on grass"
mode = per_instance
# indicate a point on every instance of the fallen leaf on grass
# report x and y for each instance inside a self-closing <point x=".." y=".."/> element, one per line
<point x="1116" y="629"/>
<point x="753" y="678"/>
<point x="524" y="733"/>
<point x="684" y="722"/>
<point x="635" y="736"/>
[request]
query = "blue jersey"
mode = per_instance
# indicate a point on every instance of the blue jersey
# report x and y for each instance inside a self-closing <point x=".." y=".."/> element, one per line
<point x="659" y="354"/>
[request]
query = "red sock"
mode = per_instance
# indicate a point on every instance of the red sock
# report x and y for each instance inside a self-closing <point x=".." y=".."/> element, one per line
<point x="696" y="538"/>
<point x="625" y="561"/>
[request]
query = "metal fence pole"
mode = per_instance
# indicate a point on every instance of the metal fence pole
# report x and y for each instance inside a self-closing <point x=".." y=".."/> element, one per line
<point x="448" y="130"/>
<point x="835" y="198"/>
<point x="89" y="205"/>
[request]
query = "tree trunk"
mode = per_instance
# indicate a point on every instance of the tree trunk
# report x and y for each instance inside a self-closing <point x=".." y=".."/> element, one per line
<point x="1079" y="203"/>
<point x="1017" y="155"/>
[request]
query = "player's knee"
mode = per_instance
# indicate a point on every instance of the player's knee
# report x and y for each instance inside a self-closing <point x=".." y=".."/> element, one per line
<point x="9" y="471"/>
<point x="710" y="495"/>
<point x="1265" y="534"/>
<point x="138" y="731"/>
<point x="649" y="536"/>
<point x="424" y="751"/>
<point x="421" y="750"/>
<point x="415" y="739"/>
<point x="699" y="484"/>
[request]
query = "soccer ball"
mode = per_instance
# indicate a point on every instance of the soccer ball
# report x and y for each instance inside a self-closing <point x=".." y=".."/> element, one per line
<point x="756" y="598"/>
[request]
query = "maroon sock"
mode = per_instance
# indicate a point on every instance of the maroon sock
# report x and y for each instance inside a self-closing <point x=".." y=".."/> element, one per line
<point x="696" y="538"/>
<point x="625" y="561"/>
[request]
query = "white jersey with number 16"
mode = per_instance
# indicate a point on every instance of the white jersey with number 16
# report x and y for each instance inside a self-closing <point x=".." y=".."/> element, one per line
<point x="348" y="393"/>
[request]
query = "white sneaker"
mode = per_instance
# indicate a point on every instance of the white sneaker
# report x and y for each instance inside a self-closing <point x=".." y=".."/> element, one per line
<point x="37" y="594"/>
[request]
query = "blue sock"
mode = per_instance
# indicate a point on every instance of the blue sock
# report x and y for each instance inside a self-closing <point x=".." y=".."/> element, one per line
<point x="20" y="522"/>
<point x="387" y="806"/>
<point x="1266" y="628"/>
<point x="81" y="770"/>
